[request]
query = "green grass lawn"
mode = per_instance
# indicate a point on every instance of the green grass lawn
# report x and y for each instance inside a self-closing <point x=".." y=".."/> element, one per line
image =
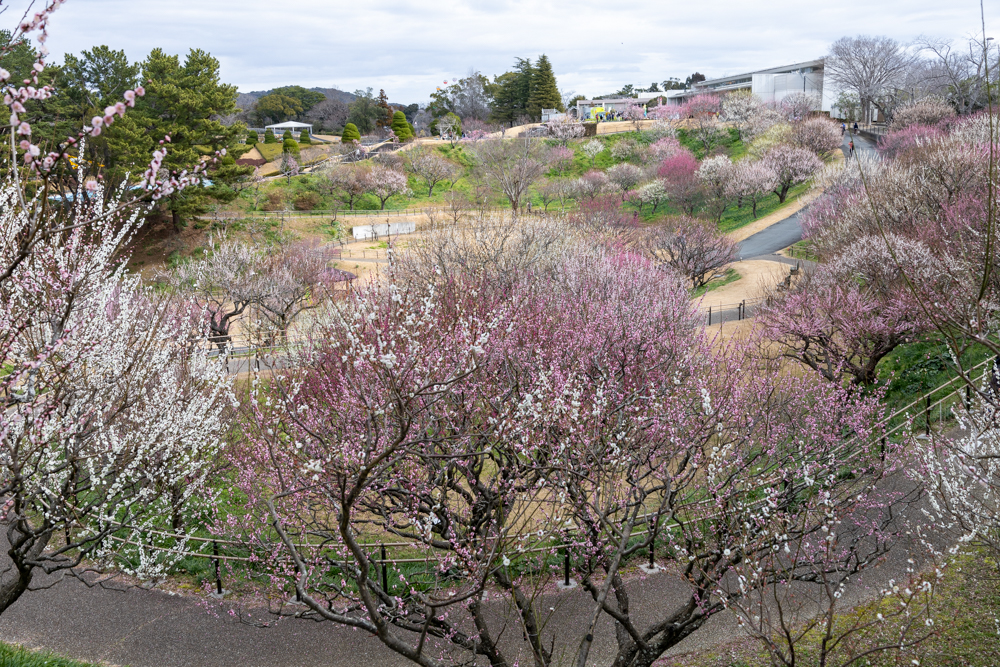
<point x="734" y="218"/>
<point x="271" y="152"/>
<point x="730" y="276"/>
<point x="15" y="656"/>
<point x="914" y="369"/>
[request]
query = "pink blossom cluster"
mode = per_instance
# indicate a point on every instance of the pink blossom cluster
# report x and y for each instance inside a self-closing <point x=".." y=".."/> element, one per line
<point x="493" y="419"/>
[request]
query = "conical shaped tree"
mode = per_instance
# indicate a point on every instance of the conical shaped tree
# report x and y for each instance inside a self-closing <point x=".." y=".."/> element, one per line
<point x="400" y="126"/>
<point x="351" y="133"/>
<point x="544" y="91"/>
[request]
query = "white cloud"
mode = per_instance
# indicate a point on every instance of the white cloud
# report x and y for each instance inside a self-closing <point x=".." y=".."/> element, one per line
<point x="408" y="47"/>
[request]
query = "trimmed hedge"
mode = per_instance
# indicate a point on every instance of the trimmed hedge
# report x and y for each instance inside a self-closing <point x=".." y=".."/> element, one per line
<point x="351" y="133"/>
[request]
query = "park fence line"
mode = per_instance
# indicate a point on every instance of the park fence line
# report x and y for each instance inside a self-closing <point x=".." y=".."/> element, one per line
<point x="975" y="373"/>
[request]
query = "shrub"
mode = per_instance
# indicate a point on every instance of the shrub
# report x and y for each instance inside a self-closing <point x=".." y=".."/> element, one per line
<point x="269" y="137"/>
<point x="252" y="137"/>
<point x="304" y="137"/>
<point x="287" y="136"/>
<point x="306" y="201"/>
<point x="400" y="126"/>
<point x="275" y="201"/>
<point x="351" y="133"/>
<point x="289" y="145"/>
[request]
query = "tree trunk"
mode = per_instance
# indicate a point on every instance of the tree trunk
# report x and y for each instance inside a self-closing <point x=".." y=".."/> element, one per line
<point x="15" y="580"/>
<point x="782" y="192"/>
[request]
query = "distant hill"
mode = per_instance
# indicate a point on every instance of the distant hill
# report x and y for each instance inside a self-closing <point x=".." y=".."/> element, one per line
<point x="243" y="100"/>
<point x="246" y="100"/>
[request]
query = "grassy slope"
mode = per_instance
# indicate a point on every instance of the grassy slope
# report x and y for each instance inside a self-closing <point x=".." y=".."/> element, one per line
<point x="15" y="656"/>
<point x="733" y="218"/>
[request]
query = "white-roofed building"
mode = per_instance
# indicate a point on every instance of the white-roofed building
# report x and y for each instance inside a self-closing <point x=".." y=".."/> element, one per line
<point x="294" y="126"/>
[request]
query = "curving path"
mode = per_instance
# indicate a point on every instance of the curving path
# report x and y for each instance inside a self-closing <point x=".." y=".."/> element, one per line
<point x="788" y="231"/>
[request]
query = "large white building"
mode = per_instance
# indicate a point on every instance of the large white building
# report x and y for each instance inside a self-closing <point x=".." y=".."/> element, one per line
<point x="771" y="85"/>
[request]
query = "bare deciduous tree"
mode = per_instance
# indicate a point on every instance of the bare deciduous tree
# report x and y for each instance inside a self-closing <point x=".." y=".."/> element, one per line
<point x="694" y="248"/>
<point x="427" y="164"/>
<point x="868" y="66"/>
<point x="510" y="165"/>
<point x="959" y="73"/>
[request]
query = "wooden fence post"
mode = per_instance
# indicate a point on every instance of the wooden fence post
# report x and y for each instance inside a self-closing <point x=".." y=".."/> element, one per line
<point x="927" y="416"/>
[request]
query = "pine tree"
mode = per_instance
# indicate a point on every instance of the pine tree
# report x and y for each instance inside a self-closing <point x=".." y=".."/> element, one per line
<point x="524" y="86"/>
<point x="184" y="101"/>
<point x="304" y="137"/>
<point x="401" y="127"/>
<point x="287" y="136"/>
<point x="269" y="137"/>
<point x="544" y="91"/>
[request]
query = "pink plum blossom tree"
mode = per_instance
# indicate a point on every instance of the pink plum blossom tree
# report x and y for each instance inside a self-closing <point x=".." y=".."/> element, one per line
<point x="703" y="111"/>
<point x="592" y="184"/>
<point x="665" y="148"/>
<point x="384" y="183"/>
<point x="819" y="135"/>
<point x="623" y="177"/>
<point x="679" y="175"/>
<point x="455" y="413"/>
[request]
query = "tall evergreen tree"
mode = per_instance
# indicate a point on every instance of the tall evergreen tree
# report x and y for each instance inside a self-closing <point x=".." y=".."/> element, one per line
<point x="511" y="92"/>
<point x="525" y="72"/>
<point x="184" y="102"/>
<point x="544" y="91"/>
<point x="504" y="93"/>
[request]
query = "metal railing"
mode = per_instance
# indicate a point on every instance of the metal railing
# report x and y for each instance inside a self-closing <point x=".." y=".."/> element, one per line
<point x="382" y="558"/>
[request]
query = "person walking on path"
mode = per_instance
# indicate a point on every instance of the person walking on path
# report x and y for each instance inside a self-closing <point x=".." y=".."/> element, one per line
<point x="855" y="127"/>
<point x="843" y="129"/>
<point x="852" y="148"/>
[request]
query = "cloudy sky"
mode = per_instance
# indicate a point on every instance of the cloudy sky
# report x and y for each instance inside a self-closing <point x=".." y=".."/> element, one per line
<point x="409" y="47"/>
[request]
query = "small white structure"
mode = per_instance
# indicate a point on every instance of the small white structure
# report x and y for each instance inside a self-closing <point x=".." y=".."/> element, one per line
<point x="294" y="126"/>
<point x="372" y="232"/>
<point x="552" y="114"/>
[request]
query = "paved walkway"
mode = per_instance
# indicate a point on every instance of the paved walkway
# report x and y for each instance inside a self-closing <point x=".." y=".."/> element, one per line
<point x="789" y="231"/>
<point x="144" y="628"/>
